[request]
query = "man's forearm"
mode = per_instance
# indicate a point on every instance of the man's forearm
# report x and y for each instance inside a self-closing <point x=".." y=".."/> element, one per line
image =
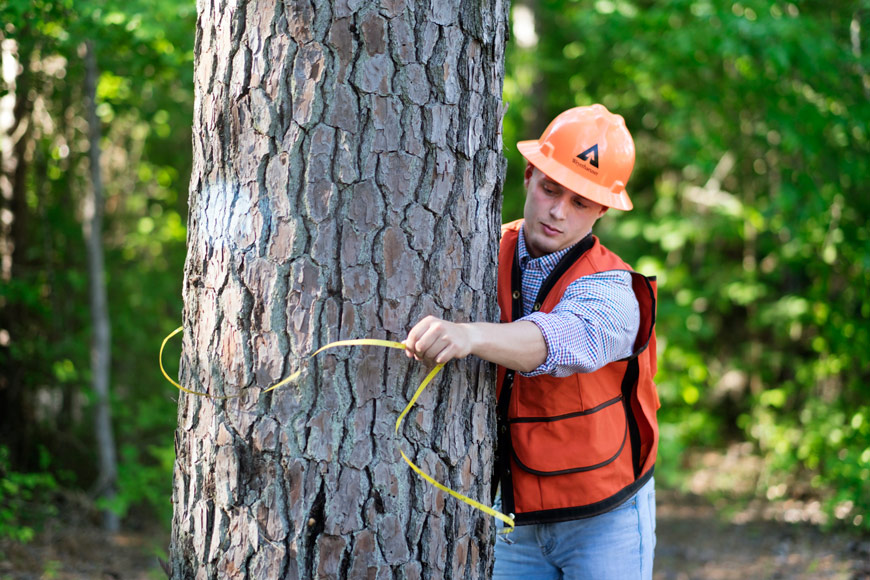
<point x="516" y="345"/>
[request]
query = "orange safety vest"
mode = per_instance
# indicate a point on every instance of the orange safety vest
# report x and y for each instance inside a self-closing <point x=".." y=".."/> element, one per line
<point x="578" y="446"/>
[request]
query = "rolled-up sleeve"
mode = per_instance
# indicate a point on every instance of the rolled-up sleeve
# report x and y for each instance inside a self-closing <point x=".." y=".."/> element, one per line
<point x="594" y="324"/>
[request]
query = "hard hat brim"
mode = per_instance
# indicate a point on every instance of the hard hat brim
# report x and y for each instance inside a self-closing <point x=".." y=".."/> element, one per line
<point x="570" y="179"/>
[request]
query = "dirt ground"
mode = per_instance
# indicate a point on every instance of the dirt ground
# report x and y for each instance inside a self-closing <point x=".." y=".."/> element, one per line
<point x="694" y="542"/>
<point x="697" y="539"/>
<point x="84" y="552"/>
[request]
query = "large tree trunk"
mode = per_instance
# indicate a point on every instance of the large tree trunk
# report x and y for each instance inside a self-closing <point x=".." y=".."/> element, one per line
<point x="346" y="182"/>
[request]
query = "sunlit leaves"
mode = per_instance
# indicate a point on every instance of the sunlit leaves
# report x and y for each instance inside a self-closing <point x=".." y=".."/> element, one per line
<point x="144" y="103"/>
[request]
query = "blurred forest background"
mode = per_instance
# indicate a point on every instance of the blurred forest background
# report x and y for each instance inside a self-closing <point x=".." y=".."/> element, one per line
<point x="752" y="125"/>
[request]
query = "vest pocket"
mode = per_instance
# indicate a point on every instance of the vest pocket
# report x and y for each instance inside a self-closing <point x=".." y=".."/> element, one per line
<point x="570" y="443"/>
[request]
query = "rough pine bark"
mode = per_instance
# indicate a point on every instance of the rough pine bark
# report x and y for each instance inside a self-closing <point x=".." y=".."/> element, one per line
<point x="346" y="182"/>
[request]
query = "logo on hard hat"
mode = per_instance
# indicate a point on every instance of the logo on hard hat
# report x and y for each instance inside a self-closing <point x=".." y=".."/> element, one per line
<point x="590" y="155"/>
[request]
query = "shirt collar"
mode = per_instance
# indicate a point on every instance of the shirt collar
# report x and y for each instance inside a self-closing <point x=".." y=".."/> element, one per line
<point x="546" y="262"/>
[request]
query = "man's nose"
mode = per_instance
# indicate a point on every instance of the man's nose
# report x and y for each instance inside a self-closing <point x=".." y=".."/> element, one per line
<point x="557" y="208"/>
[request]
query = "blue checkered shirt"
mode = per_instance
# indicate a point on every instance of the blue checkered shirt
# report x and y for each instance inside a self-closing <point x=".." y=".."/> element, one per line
<point x="594" y="324"/>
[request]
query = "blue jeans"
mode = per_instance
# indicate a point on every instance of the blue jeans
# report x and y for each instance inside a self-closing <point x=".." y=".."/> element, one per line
<point x="617" y="545"/>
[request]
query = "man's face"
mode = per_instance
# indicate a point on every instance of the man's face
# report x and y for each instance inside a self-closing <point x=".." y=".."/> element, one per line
<point x="556" y="217"/>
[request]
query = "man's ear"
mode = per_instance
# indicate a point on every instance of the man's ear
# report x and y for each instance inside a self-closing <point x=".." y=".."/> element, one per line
<point x="528" y="174"/>
<point x="603" y="211"/>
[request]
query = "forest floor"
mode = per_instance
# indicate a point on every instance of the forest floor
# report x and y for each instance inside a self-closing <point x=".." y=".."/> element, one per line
<point x="697" y="538"/>
<point x="695" y="541"/>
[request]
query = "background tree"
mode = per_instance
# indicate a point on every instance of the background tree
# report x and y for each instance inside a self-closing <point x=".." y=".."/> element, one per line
<point x="101" y="342"/>
<point x="346" y="182"/>
<point x="143" y="106"/>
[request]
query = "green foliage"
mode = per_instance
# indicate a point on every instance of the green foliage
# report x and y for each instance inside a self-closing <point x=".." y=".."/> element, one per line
<point x="25" y="499"/>
<point x="145" y="101"/>
<point x="752" y="126"/>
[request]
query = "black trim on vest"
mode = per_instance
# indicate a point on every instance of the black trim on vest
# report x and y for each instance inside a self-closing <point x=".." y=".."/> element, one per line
<point x="504" y="449"/>
<point x="552" y="516"/>
<point x="566" y="262"/>
<point x="629" y="383"/>
<point x="653" y="308"/>
<point x="632" y="373"/>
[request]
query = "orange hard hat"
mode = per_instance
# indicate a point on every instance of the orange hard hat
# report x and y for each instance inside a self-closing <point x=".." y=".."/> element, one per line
<point x="588" y="150"/>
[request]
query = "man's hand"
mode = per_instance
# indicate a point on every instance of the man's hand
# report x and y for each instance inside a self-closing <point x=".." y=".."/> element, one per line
<point x="435" y="340"/>
<point x="515" y="345"/>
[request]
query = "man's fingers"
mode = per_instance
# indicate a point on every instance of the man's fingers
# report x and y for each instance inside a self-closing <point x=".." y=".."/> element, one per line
<point x="445" y="355"/>
<point x="433" y="339"/>
<point x="428" y="336"/>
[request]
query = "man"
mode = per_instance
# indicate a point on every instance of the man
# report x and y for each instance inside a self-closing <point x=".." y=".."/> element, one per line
<point x="575" y="349"/>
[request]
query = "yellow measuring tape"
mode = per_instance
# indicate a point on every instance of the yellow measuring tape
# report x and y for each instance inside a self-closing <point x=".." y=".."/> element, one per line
<point x="509" y="522"/>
